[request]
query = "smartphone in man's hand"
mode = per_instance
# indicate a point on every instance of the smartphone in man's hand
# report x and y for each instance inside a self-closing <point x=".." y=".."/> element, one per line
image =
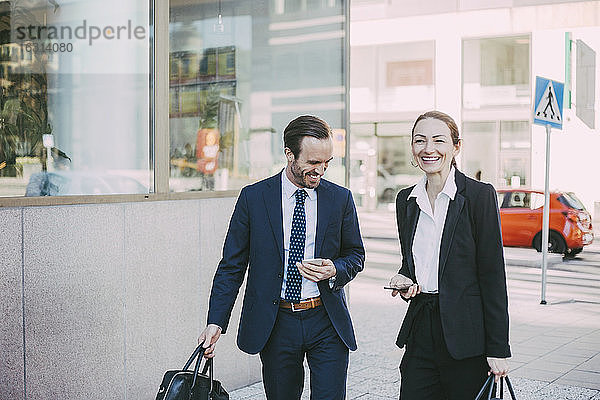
<point x="313" y="261"/>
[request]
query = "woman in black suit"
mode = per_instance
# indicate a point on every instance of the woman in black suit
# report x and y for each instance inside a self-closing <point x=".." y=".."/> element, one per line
<point x="456" y="327"/>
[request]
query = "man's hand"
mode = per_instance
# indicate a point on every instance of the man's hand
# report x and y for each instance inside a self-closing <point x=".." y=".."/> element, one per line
<point x="209" y="336"/>
<point x="399" y="280"/>
<point x="498" y="367"/>
<point x="317" y="272"/>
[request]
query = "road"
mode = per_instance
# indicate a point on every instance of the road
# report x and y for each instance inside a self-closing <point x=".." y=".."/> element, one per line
<point x="568" y="280"/>
<point x="577" y="279"/>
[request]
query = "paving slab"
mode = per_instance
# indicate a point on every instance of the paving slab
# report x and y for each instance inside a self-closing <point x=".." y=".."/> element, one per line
<point x="592" y="365"/>
<point x="582" y="385"/>
<point x="559" y="357"/>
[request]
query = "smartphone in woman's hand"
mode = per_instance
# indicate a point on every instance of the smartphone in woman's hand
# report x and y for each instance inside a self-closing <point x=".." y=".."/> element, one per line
<point x="402" y="288"/>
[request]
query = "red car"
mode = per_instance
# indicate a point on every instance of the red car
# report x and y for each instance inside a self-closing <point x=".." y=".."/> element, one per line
<point x="521" y="214"/>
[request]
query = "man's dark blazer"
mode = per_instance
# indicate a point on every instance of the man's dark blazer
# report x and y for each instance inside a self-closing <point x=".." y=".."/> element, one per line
<point x="255" y="242"/>
<point x="472" y="282"/>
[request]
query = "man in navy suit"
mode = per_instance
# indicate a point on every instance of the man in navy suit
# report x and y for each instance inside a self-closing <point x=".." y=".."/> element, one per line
<point x="298" y="237"/>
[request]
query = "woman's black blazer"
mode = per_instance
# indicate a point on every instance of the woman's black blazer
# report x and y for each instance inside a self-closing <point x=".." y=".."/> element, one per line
<point x="471" y="278"/>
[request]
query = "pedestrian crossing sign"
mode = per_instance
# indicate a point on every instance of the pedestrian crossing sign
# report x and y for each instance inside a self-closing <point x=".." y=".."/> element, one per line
<point x="548" y="106"/>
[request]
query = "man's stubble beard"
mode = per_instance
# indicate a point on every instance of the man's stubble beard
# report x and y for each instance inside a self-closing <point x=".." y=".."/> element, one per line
<point x="299" y="177"/>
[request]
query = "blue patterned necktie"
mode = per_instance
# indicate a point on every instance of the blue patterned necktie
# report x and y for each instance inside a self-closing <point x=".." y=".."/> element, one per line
<point x="293" y="285"/>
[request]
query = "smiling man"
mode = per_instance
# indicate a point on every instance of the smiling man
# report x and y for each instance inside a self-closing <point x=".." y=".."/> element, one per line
<point x="297" y="236"/>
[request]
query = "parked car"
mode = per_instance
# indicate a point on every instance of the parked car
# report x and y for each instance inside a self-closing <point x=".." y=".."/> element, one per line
<point x="389" y="185"/>
<point x="61" y="183"/>
<point x="386" y="186"/>
<point x="521" y="213"/>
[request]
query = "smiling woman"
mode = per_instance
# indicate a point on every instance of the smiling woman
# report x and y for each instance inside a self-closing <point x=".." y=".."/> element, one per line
<point x="452" y="259"/>
<point x="435" y="143"/>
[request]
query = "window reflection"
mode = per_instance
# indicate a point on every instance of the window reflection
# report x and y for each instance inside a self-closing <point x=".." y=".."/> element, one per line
<point x="480" y="150"/>
<point x="239" y="72"/>
<point x="74" y="97"/>
<point x="498" y="152"/>
<point x="384" y="76"/>
<point x="380" y="163"/>
<point x="496" y="72"/>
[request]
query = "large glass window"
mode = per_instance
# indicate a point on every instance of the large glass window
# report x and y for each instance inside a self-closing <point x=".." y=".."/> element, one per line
<point x="480" y="150"/>
<point x="496" y="72"/>
<point x="77" y="89"/>
<point x="239" y="72"/>
<point x="497" y="151"/>
<point x="406" y="72"/>
<point x="74" y="97"/>
<point x="363" y="165"/>
<point x="380" y="156"/>
<point x="383" y="77"/>
<point x="394" y="154"/>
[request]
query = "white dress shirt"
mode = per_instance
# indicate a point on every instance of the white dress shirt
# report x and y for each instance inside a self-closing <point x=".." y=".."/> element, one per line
<point x="428" y="236"/>
<point x="288" y="201"/>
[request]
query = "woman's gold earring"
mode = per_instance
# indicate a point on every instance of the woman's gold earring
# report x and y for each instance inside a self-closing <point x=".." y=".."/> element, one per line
<point x="413" y="163"/>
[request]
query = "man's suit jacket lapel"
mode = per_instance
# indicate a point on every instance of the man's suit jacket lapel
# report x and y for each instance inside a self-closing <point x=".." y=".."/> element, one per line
<point x="454" y="209"/>
<point x="272" y="199"/>
<point x="412" y="217"/>
<point x="324" y="206"/>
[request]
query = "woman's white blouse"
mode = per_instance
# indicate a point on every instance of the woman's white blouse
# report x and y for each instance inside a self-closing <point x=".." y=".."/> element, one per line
<point x="428" y="236"/>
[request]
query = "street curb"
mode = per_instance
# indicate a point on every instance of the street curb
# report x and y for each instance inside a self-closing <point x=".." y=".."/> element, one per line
<point x="532" y="263"/>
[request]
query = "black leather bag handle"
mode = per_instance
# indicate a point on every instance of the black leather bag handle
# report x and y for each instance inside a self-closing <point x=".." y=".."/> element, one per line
<point x="208" y="366"/>
<point x="485" y="385"/>
<point x="198" y="350"/>
<point x="510" y="388"/>
<point x="196" y="368"/>
<point x="489" y="383"/>
<point x="492" y="387"/>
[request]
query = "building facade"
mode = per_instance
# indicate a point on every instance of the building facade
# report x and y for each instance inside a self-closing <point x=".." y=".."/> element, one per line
<point x="479" y="65"/>
<point x="126" y="132"/>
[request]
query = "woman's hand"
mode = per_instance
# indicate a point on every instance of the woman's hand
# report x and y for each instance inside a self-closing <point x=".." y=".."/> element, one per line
<point x="498" y="367"/>
<point x="400" y="280"/>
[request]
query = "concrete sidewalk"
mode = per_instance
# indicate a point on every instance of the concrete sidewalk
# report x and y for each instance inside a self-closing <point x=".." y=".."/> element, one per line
<point x="556" y="347"/>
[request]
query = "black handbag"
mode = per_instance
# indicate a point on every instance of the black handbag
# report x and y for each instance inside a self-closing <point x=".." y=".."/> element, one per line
<point x="490" y="387"/>
<point x="190" y="385"/>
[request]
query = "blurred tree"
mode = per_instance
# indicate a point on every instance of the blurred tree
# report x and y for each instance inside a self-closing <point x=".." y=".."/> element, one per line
<point x="23" y="90"/>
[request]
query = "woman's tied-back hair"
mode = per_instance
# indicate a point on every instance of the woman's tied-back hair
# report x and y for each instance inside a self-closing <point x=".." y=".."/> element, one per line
<point x="445" y="118"/>
<point x="304" y="125"/>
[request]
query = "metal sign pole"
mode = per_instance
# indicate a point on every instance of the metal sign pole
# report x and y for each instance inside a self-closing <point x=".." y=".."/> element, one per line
<point x="547" y="111"/>
<point x="546" y="217"/>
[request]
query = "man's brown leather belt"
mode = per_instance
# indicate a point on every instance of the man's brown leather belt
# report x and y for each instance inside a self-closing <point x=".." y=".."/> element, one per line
<point x="303" y="305"/>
